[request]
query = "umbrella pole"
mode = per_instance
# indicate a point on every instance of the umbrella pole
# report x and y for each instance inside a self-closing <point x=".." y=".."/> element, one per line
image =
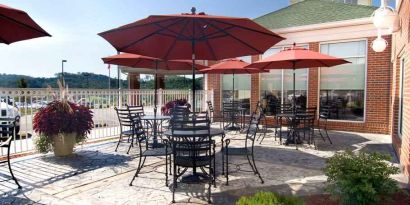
<point x="294" y="89"/>
<point x="233" y="87"/>
<point x="193" y="75"/>
<point x="155" y="104"/>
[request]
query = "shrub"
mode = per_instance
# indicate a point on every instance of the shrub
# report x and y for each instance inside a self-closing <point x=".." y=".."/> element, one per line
<point x="269" y="198"/>
<point x="360" y="179"/>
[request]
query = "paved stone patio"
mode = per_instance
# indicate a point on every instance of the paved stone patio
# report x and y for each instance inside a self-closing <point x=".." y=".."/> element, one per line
<point x="98" y="175"/>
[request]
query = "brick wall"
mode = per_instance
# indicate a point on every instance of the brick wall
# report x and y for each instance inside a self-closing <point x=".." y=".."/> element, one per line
<point x="377" y="98"/>
<point x="401" y="49"/>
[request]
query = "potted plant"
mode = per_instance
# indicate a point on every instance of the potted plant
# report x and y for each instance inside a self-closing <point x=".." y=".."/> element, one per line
<point x="61" y="124"/>
<point x="166" y="109"/>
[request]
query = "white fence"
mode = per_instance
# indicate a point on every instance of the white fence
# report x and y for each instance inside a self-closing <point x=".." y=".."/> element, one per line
<point x="26" y="102"/>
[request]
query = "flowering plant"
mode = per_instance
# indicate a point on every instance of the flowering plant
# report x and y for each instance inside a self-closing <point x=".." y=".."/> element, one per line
<point x="62" y="116"/>
<point x="166" y="109"/>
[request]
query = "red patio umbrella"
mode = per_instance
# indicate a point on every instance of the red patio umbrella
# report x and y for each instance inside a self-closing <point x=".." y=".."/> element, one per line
<point x="296" y="58"/>
<point x="150" y="63"/>
<point x="192" y="36"/>
<point x="231" y="66"/>
<point x="16" y="25"/>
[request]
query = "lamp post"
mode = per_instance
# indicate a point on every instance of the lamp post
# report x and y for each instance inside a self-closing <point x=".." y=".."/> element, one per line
<point x="62" y="71"/>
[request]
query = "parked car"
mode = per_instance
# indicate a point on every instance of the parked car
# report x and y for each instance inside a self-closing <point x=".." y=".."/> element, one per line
<point x="9" y="113"/>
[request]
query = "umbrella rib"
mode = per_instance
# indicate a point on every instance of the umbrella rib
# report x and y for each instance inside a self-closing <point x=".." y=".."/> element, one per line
<point x="248" y="45"/>
<point x="175" y="41"/>
<point x="209" y="45"/>
<point x="176" y="34"/>
<point x="250" y="29"/>
<point x="24" y="25"/>
<point x="213" y="33"/>
<point x="147" y="36"/>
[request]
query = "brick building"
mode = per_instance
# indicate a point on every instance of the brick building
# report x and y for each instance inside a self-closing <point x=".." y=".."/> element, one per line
<point x="400" y="89"/>
<point x="357" y="93"/>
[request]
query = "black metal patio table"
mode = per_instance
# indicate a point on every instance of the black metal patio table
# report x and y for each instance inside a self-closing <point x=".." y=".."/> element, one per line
<point x="155" y="120"/>
<point x="292" y="121"/>
<point x="195" y="176"/>
<point x="232" y="123"/>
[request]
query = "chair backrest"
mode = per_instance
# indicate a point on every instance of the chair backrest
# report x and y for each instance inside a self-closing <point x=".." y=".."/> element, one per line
<point x="324" y="113"/>
<point x="124" y="117"/>
<point x="210" y="106"/>
<point x="284" y="108"/>
<point x="7" y="132"/>
<point x="188" y="148"/>
<point x="252" y="130"/>
<point x="136" y="110"/>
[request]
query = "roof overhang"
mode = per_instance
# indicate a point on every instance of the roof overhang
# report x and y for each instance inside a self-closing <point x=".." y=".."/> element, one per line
<point x="330" y="31"/>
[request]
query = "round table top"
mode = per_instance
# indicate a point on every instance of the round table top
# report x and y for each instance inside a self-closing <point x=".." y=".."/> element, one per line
<point x="157" y="117"/>
<point x="212" y="132"/>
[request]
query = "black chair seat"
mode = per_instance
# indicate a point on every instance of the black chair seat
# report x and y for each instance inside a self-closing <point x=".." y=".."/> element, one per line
<point x="189" y="161"/>
<point x="237" y="151"/>
<point x="157" y="152"/>
<point x="130" y="132"/>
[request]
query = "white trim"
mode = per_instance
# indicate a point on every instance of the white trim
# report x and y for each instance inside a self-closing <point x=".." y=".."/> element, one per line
<point x="365" y="79"/>
<point x="327" y="25"/>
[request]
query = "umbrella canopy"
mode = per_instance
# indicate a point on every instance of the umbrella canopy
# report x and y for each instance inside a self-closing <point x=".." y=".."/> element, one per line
<point x="296" y="58"/>
<point x="147" y="65"/>
<point x="231" y="66"/>
<point x="192" y="36"/>
<point x="16" y="25"/>
<point x="182" y="35"/>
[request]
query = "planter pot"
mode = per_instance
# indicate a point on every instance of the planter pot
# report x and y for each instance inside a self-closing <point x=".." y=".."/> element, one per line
<point x="63" y="144"/>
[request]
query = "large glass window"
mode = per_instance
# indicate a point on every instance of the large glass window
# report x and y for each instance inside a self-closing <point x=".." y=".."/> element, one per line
<point x="242" y="89"/>
<point x="342" y="88"/>
<point x="400" y="130"/>
<point x="276" y="87"/>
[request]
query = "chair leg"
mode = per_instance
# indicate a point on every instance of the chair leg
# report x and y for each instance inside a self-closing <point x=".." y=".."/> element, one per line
<point x="250" y="163"/>
<point x="166" y="169"/>
<point x="327" y="135"/>
<point x="131" y="145"/>
<point x="209" y="192"/>
<point x="256" y="169"/>
<point x="227" y="170"/>
<point x="11" y="172"/>
<point x="118" y="144"/>
<point x="170" y="165"/>
<point x="138" y="169"/>
<point x="222" y="151"/>
<point x="174" y="183"/>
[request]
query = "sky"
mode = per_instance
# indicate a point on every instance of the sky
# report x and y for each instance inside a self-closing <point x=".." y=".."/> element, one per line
<point x="74" y="25"/>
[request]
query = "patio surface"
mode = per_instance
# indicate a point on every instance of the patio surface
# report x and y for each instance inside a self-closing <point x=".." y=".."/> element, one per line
<point x="98" y="175"/>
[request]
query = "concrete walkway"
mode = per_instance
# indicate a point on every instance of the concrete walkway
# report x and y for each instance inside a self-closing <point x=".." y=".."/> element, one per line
<point x="98" y="175"/>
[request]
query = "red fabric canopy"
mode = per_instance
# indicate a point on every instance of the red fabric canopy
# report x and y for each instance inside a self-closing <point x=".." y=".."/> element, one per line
<point x="139" y="61"/>
<point x="16" y="25"/>
<point x="179" y="36"/>
<point x="231" y="66"/>
<point x="296" y="58"/>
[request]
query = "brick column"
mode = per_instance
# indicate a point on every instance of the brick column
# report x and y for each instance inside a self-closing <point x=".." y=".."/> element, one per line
<point x="214" y="83"/>
<point x="313" y="81"/>
<point x="255" y="90"/>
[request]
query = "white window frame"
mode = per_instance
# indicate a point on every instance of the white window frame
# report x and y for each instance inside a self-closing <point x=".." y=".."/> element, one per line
<point x="305" y="45"/>
<point x="401" y="95"/>
<point x="365" y="77"/>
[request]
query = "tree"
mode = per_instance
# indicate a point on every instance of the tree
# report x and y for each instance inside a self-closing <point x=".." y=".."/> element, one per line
<point x="22" y="83"/>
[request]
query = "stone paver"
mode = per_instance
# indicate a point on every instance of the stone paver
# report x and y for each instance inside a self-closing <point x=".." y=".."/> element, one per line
<point x="98" y="175"/>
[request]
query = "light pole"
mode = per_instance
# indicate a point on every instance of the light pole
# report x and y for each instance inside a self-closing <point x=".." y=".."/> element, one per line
<point x="62" y="71"/>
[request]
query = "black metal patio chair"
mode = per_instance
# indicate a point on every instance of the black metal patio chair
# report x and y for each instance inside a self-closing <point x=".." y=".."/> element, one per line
<point x="324" y="114"/>
<point x="7" y="133"/>
<point x="127" y="128"/>
<point x="138" y="110"/>
<point x="196" y="151"/>
<point x="145" y="150"/>
<point x="247" y="150"/>
<point x="212" y="116"/>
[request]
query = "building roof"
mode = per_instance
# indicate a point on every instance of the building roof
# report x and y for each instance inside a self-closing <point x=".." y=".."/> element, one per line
<point x="310" y="12"/>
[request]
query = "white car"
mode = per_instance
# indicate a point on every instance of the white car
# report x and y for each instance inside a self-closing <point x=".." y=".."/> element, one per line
<point x="8" y="114"/>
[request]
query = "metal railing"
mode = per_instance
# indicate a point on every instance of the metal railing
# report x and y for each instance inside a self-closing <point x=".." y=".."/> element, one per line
<point x="26" y="102"/>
